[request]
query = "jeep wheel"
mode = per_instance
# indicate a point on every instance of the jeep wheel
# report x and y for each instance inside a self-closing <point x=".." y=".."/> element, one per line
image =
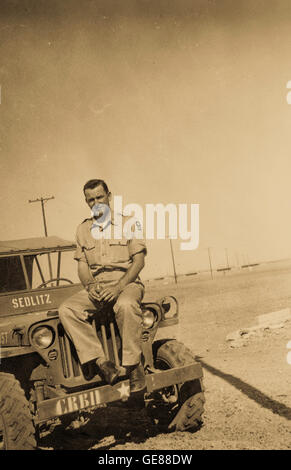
<point x="179" y="407"/>
<point x="16" y="426"/>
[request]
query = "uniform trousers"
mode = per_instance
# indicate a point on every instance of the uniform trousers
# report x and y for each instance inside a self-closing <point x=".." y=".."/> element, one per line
<point x="76" y="318"/>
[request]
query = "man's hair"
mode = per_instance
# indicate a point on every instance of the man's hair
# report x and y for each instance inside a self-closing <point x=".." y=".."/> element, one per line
<point x="91" y="184"/>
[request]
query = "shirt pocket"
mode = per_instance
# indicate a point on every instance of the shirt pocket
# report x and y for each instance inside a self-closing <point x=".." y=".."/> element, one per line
<point x="118" y="251"/>
<point x="90" y="253"/>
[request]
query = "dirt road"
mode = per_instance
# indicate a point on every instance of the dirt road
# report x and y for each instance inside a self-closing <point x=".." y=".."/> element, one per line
<point x="248" y="399"/>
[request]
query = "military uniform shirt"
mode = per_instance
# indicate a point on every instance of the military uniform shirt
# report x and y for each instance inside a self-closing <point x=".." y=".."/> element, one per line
<point x="108" y="257"/>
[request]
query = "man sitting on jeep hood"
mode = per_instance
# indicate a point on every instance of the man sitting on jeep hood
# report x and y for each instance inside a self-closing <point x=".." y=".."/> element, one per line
<point x="108" y="268"/>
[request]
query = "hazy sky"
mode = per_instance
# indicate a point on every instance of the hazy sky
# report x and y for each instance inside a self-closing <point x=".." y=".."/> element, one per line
<point x="168" y="101"/>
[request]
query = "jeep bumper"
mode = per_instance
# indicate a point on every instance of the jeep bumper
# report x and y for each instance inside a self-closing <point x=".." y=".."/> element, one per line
<point x="94" y="397"/>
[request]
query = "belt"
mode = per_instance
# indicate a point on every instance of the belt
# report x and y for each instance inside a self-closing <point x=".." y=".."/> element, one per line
<point x="108" y="269"/>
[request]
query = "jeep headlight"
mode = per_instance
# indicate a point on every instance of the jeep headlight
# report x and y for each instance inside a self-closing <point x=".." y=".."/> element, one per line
<point x="42" y="337"/>
<point x="148" y="319"/>
<point x="169" y="305"/>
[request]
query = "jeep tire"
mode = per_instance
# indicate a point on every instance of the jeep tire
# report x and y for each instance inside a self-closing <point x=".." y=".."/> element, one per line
<point x="16" y="425"/>
<point x="182" y="405"/>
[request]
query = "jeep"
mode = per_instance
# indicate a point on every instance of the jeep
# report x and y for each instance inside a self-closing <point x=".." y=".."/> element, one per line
<point x="41" y="379"/>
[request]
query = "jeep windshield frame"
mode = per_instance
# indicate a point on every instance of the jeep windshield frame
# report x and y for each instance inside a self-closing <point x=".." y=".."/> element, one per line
<point x="18" y="256"/>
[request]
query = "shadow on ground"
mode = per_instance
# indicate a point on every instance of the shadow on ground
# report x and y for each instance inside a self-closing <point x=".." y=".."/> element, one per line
<point x="103" y="429"/>
<point x="251" y="392"/>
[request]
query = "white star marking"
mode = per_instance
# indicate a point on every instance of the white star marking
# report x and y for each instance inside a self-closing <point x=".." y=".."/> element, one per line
<point x="124" y="391"/>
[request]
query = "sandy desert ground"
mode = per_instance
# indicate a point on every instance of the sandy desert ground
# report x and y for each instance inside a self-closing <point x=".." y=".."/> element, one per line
<point x="247" y="387"/>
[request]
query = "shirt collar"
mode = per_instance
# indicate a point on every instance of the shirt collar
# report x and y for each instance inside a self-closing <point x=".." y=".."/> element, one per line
<point x="106" y="222"/>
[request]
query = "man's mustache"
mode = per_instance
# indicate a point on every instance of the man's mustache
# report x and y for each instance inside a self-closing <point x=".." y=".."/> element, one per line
<point x="100" y="211"/>
<point x="98" y="214"/>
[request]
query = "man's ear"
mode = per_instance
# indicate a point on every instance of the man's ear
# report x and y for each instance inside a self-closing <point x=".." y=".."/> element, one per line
<point x="109" y="196"/>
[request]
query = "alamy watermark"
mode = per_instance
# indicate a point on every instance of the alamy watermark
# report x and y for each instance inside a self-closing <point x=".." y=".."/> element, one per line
<point x="153" y="221"/>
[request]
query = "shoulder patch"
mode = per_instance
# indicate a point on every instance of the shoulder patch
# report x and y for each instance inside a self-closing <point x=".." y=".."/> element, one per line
<point x="138" y="224"/>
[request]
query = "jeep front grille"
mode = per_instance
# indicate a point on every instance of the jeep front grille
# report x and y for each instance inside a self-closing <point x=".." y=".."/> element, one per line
<point x="69" y="358"/>
<point x="70" y="363"/>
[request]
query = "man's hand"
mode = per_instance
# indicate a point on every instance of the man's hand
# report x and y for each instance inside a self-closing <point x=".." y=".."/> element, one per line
<point x="110" y="293"/>
<point x="94" y="292"/>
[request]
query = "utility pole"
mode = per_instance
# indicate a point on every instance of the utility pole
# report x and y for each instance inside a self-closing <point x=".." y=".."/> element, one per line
<point x="209" y="255"/>
<point x="246" y="261"/>
<point x="250" y="268"/>
<point x="237" y="260"/>
<point x="227" y="260"/>
<point x="43" y="200"/>
<point x="173" y="260"/>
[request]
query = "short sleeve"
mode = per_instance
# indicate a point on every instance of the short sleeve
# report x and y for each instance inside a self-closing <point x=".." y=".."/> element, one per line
<point x="136" y="245"/>
<point x="79" y="254"/>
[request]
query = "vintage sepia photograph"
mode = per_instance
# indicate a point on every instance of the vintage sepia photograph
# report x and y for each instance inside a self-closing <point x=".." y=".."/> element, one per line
<point x="145" y="239"/>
